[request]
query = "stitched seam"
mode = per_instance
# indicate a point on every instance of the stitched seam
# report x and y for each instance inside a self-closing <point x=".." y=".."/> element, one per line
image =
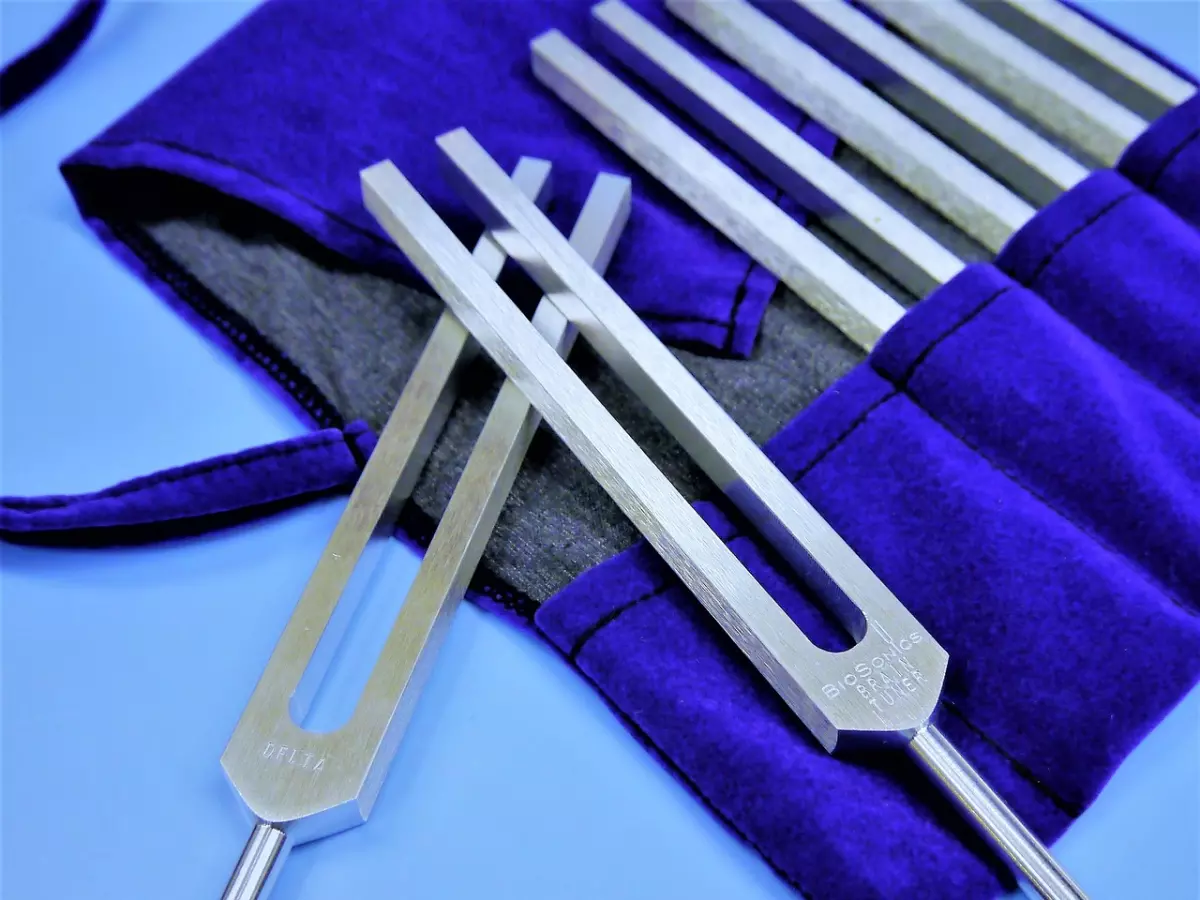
<point x="683" y="317"/>
<point x="1019" y="767"/>
<point x="905" y="387"/>
<point x="1022" y="769"/>
<point x="611" y="616"/>
<point x="134" y="487"/>
<point x="1141" y="376"/>
<point x="1171" y="157"/>
<point x="200" y="154"/>
<point x="359" y="229"/>
<point x="949" y="333"/>
<point x="738" y="296"/>
<point x="837" y="442"/>
<point x="1045" y="501"/>
<point x="1074" y="233"/>
<point x="351" y="442"/>
<point x="731" y="325"/>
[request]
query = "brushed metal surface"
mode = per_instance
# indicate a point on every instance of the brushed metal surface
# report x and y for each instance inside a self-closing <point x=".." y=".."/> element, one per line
<point x="908" y="153"/>
<point x="1105" y="61"/>
<point x="848" y="208"/>
<point x="816" y="273"/>
<point x="956" y="112"/>
<point x="305" y="784"/>
<point x="799" y="671"/>
<point x="768" y="638"/>
<point x="1061" y="102"/>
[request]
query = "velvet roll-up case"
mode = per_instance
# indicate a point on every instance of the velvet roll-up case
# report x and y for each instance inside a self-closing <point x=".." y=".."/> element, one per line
<point x="1018" y="458"/>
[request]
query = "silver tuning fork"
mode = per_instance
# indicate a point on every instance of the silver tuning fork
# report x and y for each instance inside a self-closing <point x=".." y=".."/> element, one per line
<point x="944" y="141"/>
<point x="812" y="682"/>
<point x="300" y="785"/>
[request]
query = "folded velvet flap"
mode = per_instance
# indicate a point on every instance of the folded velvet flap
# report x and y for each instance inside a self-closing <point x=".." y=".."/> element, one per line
<point x="1023" y="472"/>
<point x="287" y="108"/>
<point x="1125" y="270"/>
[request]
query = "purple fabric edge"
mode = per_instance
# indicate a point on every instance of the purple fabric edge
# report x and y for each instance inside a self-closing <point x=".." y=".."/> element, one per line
<point x="241" y="185"/>
<point x="1150" y="156"/>
<point x="322" y="225"/>
<point x="93" y="510"/>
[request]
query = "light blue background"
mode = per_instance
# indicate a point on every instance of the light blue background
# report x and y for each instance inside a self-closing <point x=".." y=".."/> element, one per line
<point x="125" y="670"/>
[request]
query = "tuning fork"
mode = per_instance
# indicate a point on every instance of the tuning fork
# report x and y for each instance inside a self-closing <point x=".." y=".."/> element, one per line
<point x="911" y="155"/>
<point x="836" y="695"/>
<point x="300" y="785"/>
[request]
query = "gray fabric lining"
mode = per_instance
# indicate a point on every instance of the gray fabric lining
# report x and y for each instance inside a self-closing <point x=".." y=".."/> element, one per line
<point x="357" y="337"/>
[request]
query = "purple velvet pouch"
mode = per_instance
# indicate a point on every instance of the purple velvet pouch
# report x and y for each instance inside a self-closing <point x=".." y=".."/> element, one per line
<point x="1017" y="461"/>
<point x="1019" y="458"/>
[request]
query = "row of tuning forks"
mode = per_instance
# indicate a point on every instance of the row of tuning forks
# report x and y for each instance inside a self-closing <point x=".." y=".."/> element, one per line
<point x="899" y="86"/>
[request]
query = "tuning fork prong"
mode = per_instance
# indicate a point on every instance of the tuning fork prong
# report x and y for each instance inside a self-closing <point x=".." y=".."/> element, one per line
<point x="1118" y="68"/>
<point x="792" y="665"/>
<point x="1060" y="101"/>
<point x="475" y="505"/>
<point x="934" y="96"/>
<point x="850" y="210"/>
<point x="909" y="154"/>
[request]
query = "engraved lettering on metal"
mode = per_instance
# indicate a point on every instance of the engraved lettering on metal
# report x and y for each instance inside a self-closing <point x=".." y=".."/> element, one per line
<point x="294" y="756"/>
<point x="734" y="462"/>
<point x="272" y="763"/>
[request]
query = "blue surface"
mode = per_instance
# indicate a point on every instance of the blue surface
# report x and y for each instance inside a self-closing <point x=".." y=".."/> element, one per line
<point x="125" y="670"/>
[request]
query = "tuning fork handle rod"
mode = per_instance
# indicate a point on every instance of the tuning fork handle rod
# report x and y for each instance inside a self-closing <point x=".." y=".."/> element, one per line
<point x="998" y="824"/>
<point x="259" y="865"/>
